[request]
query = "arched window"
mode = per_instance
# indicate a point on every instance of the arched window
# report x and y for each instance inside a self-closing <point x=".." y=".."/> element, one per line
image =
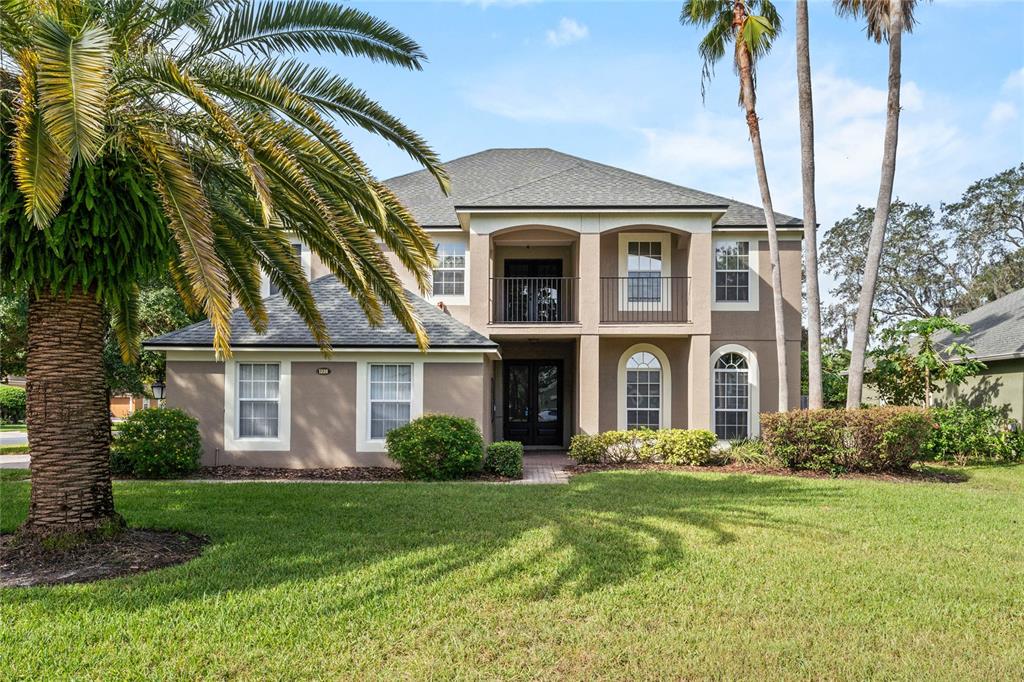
<point x="732" y="396"/>
<point x="643" y="391"/>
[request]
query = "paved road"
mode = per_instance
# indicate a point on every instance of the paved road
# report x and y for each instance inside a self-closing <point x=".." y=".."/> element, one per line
<point x="14" y="461"/>
<point x="13" y="437"/>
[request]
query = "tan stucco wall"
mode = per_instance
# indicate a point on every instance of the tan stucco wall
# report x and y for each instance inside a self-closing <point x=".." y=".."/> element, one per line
<point x="323" y="410"/>
<point x="768" y="371"/>
<point x="611" y="351"/>
<point x="198" y="388"/>
<point x="760" y="324"/>
<point x="610" y="250"/>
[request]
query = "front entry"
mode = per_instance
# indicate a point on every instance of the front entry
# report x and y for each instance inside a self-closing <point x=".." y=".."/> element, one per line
<point x="533" y="401"/>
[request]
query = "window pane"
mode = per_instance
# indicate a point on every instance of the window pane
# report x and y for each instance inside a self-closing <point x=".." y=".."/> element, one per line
<point x="390" y="396"/>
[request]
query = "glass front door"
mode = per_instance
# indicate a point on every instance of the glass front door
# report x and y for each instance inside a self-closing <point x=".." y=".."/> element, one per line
<point x="533" y="401"/>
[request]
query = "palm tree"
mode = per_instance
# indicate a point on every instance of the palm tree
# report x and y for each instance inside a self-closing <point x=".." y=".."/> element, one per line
<point x="803" y="77"/>
<point x="181" y="135"/>
<point x="752" y="35"/>
<point x="885" y="20"/>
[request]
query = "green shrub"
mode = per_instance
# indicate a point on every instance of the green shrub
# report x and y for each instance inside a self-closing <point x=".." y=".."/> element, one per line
<point x="505" y="458"/>
<point x="12" y="404"/>
<point x="748" y="451"/>
<point x="965" y="434"/>
<point x="868" y="439"/>
<point x="157" y="443"/>
<point x="671" y="446"/>
<point x="437" y="447"/>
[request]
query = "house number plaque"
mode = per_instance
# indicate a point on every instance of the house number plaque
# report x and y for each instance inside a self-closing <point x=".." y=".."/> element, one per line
<point x="323" y="371"/>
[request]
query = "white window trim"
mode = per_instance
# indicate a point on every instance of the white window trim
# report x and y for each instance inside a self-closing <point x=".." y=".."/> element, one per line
<point x="452" y="300"/>
<point x="284" y="410"/>
<point x="753" y="375"/>
<point x="665" y="417"/>
<point x="305" y="260"/>
<point x="665" y="239"/>
<point x="754" y="258"/>
<point x="363" y="441"/>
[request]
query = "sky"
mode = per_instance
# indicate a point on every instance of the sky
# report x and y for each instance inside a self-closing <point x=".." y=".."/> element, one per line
<point x="620" y="83"/>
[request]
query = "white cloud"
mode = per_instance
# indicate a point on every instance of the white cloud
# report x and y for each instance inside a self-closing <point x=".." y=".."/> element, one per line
<point x="567" y="32"/>
<point x="1015" y="81"/>
<point x="1002" y="112"/>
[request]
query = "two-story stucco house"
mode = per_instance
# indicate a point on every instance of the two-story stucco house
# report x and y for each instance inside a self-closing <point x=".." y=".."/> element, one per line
<point x="579" y="297"/>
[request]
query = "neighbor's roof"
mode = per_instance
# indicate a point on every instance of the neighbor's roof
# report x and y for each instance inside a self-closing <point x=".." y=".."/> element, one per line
<point x="543" y="178"/>
<point x="346" y="323"/>
<point x="997" y="328"/>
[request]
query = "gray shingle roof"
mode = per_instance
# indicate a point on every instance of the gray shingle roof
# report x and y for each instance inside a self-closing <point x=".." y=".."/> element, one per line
<point x="997" y="328"/>
<point x="345" y="321"/>
<point x="544" y="178"/>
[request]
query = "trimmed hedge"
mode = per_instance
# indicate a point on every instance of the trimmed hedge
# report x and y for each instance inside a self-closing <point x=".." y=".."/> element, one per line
<point x="670" y="446"/>
<point x="868" y="439"/>
<point x="965" y="434"/>
<point x="156" y="443"/>
<point x="505" y="458"/>
<point x="437" y="447"/>
<point x="12" y="404"/>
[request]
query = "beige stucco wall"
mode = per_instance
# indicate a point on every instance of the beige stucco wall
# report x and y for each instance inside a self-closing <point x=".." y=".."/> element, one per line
<point x="611" y="351"/>
<point x="323" y="410"/>
<point x="610" y="250"/>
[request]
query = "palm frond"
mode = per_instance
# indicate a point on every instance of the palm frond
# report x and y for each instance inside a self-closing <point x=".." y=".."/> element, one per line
<point x="72" y="83"/>
<point x="283" y="26"/>
<point x="878" y="15"/>
<point x="16" y="18"/>
<point x="41" y="167"/>
<point x="189" y="217"/>
<point x="124" y="318"/>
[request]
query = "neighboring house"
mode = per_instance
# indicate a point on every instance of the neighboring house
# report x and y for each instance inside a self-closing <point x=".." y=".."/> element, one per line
<point x="582" y="298"/>
<point x="997" y="337"/>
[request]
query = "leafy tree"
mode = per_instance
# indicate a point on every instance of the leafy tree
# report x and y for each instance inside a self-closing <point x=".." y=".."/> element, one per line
<point x="13" y="333"/>
<point x="835" y="361"/>
<point x="180" y="136"/>
<point x="913" y="275"/>
<point x="751" y="35"/>
<point x="941" y="265"/>
<point x="885" y="20"/>
<point x="909" y="361"/>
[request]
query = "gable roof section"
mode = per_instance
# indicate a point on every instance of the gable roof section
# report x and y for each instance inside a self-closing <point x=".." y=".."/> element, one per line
<point x="544" y="178"/>
<point x="346" y="323"/>
<point x="997" y="328"/>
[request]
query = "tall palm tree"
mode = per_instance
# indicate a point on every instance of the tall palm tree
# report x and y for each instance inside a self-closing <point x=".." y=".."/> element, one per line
<point x="751" y="25"/>
<point x="803" y="77"/>
<point x="885" y="20"/>
<point x="181" y="134"/>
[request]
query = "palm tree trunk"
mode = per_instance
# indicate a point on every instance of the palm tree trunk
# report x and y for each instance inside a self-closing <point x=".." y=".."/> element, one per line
<point x="747" y="97"/>
<point x="876" y="242"/>
<point x="803" y="77"/>
<point x="68" y="416"/>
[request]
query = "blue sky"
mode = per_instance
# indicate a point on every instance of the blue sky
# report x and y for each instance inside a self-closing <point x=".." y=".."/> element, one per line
<point x="620" y="83"/>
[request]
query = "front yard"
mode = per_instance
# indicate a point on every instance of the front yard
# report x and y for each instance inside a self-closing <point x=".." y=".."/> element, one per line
<point x="617" y="575"/>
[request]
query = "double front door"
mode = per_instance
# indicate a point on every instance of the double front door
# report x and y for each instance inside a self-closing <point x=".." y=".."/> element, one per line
<point x="533" y="401"/>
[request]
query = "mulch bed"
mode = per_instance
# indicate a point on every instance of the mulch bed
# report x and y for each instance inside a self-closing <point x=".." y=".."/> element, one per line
<point x="136" y="550"/>
<point x="369" y="474"/>
<point x="911" y="475"/>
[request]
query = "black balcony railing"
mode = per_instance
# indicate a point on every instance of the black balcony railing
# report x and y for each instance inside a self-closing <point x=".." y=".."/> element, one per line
<point x="626" y="300"/>
<point x="533" y="300"/>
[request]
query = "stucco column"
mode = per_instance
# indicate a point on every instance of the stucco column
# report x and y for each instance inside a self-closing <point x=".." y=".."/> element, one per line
<point x="479" y="281"/>
<point x="587" y="385"/>
<point x="589" y="282"/>
<point x="699" y="377"/>
<point x="698" y="267"/>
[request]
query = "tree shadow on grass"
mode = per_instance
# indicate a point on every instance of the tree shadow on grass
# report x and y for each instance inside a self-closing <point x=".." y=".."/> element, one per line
<point x="371" y="542"/>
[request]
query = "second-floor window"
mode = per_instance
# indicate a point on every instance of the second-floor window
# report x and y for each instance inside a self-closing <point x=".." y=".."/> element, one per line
<point x="450" y="274"/>
<point x="732" y="271"/>
<point x="643" y="268"/>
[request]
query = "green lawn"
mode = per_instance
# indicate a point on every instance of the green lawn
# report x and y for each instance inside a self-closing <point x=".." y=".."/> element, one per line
<point x="13" y="427"/>
<point x="617" y="575"/>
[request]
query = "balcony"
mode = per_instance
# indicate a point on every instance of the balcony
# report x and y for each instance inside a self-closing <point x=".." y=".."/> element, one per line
<point x="533" y="300"/>
<point x="638" y="300"/>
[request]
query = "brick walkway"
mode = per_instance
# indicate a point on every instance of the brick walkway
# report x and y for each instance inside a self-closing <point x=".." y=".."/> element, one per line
<point x="545" y="467"/>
